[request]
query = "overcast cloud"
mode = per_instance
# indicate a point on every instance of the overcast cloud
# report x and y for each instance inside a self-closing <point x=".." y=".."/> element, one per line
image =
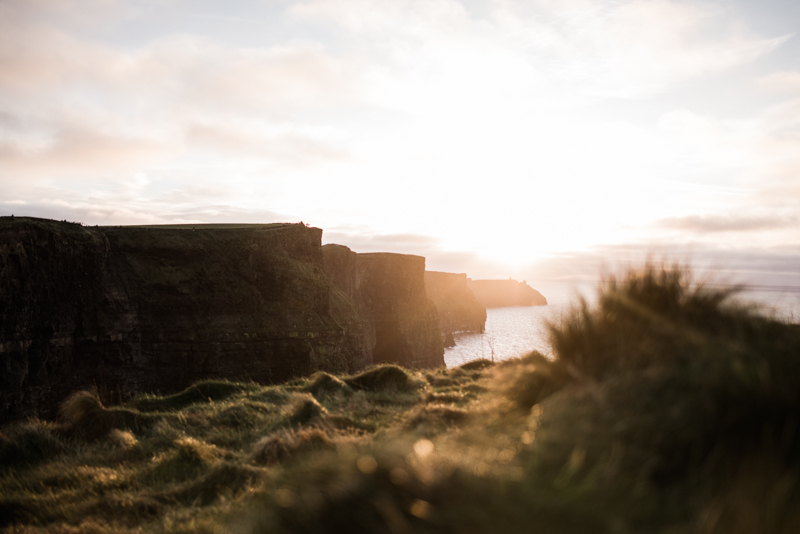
<point x="494" y="137"/>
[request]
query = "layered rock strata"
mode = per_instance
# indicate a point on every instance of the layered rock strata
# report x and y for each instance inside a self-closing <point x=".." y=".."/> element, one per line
<point x="155" y="309"/>
<point x="501" y="293"/>
<point x="388" y="290"/>
<point x="459" y="310"/>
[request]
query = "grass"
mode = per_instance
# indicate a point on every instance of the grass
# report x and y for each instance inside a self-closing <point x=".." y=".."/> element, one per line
<point x="206" y="226"/>
<point x="669" y="407"/>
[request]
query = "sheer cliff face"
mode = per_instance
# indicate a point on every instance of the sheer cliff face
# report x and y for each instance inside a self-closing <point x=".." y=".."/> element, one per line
<point x="459" y="310"/>
<point x="51" y="280"/>
<point x="155" y="309"/>
<point x="391" y="288"/>
<point x="501" y="293"/>
<point x="388" y="290"/>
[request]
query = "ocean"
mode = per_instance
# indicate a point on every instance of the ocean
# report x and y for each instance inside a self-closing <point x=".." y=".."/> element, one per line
<point x="518" y="330"/>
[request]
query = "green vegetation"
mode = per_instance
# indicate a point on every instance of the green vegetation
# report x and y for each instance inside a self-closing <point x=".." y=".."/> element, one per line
<point x="205" y="226"/>
<point x="670" y="407"/>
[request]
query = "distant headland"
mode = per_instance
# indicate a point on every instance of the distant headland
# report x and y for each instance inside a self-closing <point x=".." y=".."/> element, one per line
<point x="502" y="293"/>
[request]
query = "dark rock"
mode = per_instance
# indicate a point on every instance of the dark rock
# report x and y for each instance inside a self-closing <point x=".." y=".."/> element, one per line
<point x="135" y="309"/>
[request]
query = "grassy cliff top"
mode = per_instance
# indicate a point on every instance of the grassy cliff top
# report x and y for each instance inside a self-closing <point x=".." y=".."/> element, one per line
<point x="36" y="222"/>
<point x="201" y="226"/>
<point x="10" y="221"/>
<point x="669" y="407"/>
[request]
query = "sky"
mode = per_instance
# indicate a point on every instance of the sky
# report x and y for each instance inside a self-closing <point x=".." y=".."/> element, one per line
<point x="540" y="139"/>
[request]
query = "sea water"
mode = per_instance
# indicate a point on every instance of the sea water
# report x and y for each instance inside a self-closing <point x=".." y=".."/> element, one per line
<point x="518" y="330"/>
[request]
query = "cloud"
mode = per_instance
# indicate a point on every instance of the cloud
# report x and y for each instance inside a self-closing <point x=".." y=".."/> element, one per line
<point x="70" y="102"/>
<point x="618" y="49"/>
<point x="712" y="224"/>
<point x="410" y="18"/>
<point x="287" y="81"/>
<point x="752" y="158"/>
<point x="366" y="241"/>
<point x="74" y="146"/>
<point x="550" y="50"/>
<point x="350" y="108"/>
<point x="76" y="14"/>
<point x="633" y="48"/>
<point x="775" y="266"/>
<point x="88" y="213"/>
<point x="780" y="82"/>
<point x="295" y="149"/>
<point x="187" y="71"/>
<point x="184" y="92"/>
<point x="102" y="212"/>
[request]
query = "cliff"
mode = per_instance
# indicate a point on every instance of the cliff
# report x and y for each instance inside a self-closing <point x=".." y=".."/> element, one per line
<point x="156" y="308"/>
<point x="388" y="291"/>
<point x="501" y="293"/>
<point x="459" y="310"/>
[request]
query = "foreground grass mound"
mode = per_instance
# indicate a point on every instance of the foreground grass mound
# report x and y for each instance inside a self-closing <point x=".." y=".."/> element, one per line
<point x="384" y="377"/>
<point x="669" y="407"/>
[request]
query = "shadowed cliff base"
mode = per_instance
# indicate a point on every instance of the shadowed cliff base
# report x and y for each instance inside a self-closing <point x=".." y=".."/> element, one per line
<point x="502" y="293"/>
<point x="669" y="407"/>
